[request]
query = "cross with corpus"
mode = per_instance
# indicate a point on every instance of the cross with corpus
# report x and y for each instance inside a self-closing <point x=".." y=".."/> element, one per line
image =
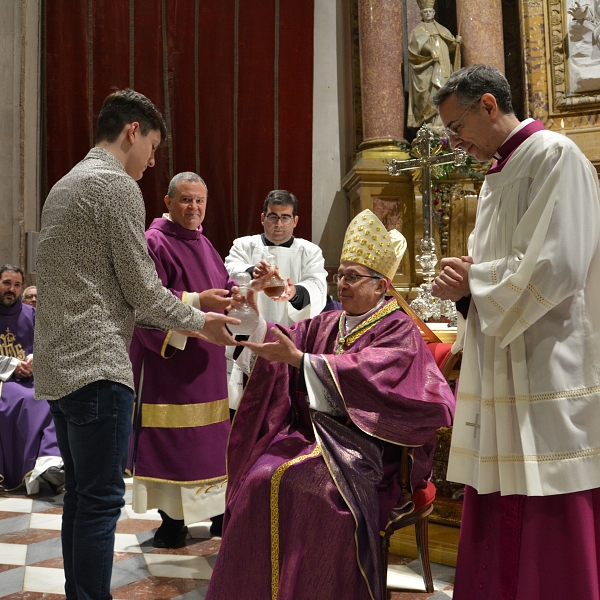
<point x="425" y="140"/>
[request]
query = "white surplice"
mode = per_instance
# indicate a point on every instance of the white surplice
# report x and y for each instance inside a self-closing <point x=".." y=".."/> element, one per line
<point x="528" y="412"/>
<point x="303" y="263"/>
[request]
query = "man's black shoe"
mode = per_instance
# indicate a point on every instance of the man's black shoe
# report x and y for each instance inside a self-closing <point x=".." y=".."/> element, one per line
<point x="171" y="534"/>
<point x="216" y="527"/>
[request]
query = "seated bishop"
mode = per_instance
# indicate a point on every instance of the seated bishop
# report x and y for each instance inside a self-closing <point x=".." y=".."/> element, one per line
<point x="28" y="447"/>
<point x="314" y="451"/>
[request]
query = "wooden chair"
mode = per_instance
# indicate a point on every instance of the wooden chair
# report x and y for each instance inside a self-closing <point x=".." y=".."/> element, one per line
<point x="421" y="499"/>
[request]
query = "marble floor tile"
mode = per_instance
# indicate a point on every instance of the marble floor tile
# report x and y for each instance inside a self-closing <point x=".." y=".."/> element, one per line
<point x="11" y="581"/>
<point x="159" y="588"/>
<point x="127" y="542"/>
<point x="151" y="515"/>
<point x="34" y="596"/>
<point x="140" y="571"/>
<point x="47" y="549"/>
<point x="13" y="554"/>
<point x="46" y="521"/>
<point x="136" y="525"/>
<point x="131" y="568"/>
<point x="48" y="503"/>
<point x="193" y="548"/>
<point x="5" y="514"/>
<point x="172" y="565"/>
<point x="19" y="505"/>
<point x="6" y="567"/>
<point x="51" y="563"/>
<point x="200" y="530"/>
<point x="28" y="536"/>
<point x="42" y="579"/>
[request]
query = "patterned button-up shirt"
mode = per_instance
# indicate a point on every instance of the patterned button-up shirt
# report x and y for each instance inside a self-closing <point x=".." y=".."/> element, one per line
<point x="96" y="280"/>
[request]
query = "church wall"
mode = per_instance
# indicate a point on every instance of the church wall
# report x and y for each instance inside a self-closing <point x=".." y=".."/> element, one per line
<point x="332" y="126"/>
<point x="19" y="144"/>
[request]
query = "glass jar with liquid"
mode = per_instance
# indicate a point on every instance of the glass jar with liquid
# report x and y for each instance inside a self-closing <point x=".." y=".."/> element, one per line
<point x="244" y="312"/>
<point x="274" y="286"/>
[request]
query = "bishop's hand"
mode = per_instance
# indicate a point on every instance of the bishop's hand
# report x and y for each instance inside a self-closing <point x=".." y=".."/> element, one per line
<point x="283" y="350"/>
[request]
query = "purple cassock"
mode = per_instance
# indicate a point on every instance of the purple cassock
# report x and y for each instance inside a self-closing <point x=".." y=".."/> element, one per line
<point x="309" y="493"/>
<point x="182" y="425"/>
<point x="26" y="426"/>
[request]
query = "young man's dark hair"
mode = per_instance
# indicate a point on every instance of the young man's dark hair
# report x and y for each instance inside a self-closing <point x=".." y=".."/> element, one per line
<point x="281" y="198"/>
<point x="12" y="269"/>
<point x="127" y="106"/>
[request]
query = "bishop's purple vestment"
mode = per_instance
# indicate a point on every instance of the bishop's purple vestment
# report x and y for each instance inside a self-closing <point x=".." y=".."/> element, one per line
<point x="182" y="413"/>
<point x="308" y="493"/>
<point x="26" y="426"/>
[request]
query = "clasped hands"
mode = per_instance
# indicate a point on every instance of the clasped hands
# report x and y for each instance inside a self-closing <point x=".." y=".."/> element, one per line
<point x="24" y="369"/>
<point x="453" y="281"/>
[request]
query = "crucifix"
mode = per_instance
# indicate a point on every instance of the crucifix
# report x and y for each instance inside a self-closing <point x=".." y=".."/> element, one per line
<point x="425" y="305"/>
<point x="475" y="425"/>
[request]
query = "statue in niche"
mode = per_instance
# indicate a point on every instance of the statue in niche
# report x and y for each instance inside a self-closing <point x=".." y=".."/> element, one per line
<point x="430" y="50"/>
<point x="584" y="46"/>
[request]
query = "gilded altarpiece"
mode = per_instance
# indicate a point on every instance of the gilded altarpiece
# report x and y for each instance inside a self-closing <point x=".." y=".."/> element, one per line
<point x="562" y="74"/>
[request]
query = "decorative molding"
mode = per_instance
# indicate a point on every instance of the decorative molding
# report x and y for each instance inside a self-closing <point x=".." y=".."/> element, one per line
<point x="564" y="99"/>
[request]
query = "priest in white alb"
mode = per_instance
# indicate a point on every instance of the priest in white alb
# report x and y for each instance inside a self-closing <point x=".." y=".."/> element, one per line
<point x="526" y="438"/>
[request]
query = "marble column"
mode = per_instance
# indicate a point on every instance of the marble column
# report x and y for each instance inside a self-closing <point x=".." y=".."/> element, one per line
<point x="381" y="50"/>
<point x="480" y="24"/>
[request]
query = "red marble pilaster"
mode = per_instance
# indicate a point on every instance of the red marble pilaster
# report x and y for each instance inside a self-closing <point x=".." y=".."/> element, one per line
<point x="381" y="50"/>
<point x="480" y="25"/>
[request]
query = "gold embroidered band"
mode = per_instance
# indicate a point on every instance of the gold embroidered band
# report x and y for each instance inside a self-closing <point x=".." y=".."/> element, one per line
<point x="185" y="415"/>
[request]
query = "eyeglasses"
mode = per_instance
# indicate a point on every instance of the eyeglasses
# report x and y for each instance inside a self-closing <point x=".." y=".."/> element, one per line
<point x="285" y="219"/>
<point x="351" y="278"/>
<point x="455" y="130"/>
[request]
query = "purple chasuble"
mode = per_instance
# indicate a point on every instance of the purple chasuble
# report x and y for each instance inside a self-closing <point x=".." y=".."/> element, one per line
<point x="26" y="426"/>
<point x="308" y="493"/>
<point x="506" y="150"/>
<point x="184" y="440"/>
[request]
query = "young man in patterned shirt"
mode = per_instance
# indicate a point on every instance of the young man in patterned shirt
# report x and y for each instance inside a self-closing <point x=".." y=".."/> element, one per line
<point x="93" y="221"/>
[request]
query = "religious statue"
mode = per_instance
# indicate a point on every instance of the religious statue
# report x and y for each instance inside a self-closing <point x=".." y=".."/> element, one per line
<point x="584" y="46"/>
<point x="429" y="51"/>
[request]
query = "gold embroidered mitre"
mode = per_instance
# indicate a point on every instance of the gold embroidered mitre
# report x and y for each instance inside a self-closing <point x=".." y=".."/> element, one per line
<point x="423" y="4"/>
<point x="371" y="245"/>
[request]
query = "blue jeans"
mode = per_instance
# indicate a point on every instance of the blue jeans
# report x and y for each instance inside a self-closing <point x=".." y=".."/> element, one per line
<point x="93" y="425"/>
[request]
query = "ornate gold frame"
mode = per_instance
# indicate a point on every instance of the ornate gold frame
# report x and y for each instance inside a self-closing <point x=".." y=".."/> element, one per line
<point x="557" y="56"/>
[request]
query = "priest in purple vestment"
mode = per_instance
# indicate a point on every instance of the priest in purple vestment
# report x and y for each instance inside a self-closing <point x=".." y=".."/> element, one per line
<point x="28" y="447"/>
<point x="526" y="436"/>
<point x="313" y="456"/>
<point x="181" y="422"/>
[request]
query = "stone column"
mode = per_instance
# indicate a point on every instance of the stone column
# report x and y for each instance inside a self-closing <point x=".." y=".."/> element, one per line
<point x="480" y="24"/>
<point x="19" y="128"/>
<point x="381" y="50"/>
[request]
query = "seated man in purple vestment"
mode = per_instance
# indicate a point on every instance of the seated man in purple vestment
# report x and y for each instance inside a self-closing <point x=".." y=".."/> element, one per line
<point x="182" y="413"/>
<point x="28" y="447"/>
<point x="313" y="455"/>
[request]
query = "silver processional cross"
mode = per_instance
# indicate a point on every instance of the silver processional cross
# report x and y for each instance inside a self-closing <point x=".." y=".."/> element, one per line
<point x="425" y="305"/>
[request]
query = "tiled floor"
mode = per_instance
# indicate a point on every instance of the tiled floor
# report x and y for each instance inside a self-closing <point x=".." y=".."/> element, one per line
<point x="31" y="561"/>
